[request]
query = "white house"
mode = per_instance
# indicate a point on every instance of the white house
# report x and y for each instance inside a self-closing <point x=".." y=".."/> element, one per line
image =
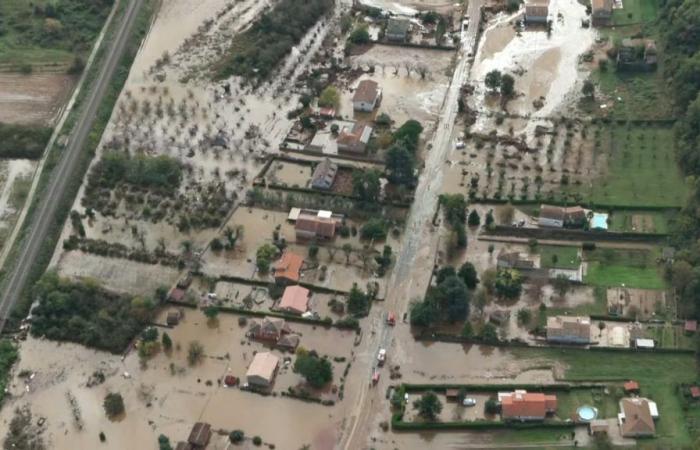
<point x="367" y="96"/>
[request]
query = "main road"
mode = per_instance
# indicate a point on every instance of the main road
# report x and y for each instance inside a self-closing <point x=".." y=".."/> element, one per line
<point x="415" y="259"/>
<point x="45" y="214"/>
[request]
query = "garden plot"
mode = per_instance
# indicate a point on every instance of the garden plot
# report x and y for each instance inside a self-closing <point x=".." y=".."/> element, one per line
<point x="33" y="98"/>
<point x="642" y="304"/>
<point x="452" y="411"/>
<point x="626" y="268"/>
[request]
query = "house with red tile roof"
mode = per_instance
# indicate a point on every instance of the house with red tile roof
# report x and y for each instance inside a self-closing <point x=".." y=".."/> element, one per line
<point x="636" y="417"/>
<point x="288" y="268"/>
<point x="295" y="300"/>
<point x="524" y="406"/>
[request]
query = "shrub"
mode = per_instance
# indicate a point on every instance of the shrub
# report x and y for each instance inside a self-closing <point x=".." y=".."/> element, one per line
<point x="257" y="441"/>
<point x="236" y="436"/>
<point x="113" y="405"/>
<point x="375" y="228"/>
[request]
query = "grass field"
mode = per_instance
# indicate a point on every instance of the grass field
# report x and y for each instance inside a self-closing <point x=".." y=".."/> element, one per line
<point x="641" y="221"/>
<point x="632" y="268"/>
<point x="635" y="11"/>
<point x="569" y="402"/>
<point x="657" y="373"/>
<point x="559" y="257"/>
<point x="669" y="336"/>
<point x="49" y="33"/>
<point x="599" y="306"/>
<point x="641" y="168"/>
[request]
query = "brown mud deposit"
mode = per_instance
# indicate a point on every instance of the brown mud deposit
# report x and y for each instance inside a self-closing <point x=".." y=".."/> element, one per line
<point x="34" y="98"/>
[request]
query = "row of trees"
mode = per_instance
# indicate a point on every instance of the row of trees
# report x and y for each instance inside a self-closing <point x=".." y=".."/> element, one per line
<point x="401" y="156"/>
<point x="448" y="300"/>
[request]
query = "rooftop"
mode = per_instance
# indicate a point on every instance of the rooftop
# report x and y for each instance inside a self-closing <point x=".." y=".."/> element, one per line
<point x="264" y="365"/>
<point x="367" y="91"/>
<point x="288" y="266"/>
<point x="295" y="298"/>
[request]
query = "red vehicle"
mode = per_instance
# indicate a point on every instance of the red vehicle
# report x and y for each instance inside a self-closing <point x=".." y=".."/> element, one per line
<point x="391" y="319"/>
<point x="375" y="377"/>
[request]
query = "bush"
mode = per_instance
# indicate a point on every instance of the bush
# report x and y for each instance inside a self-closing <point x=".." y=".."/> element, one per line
<point x="375" y="229"/>
<point x="317" y="371"/>
<point x="257" y="441"/>
<point x="236" y="436"/>
<point x="359" y="35"/>
<point x="23" y="141"/>
<point x="113" y="405"/>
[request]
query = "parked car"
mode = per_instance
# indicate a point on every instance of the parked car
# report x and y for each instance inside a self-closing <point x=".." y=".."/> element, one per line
<point x="391" y="319"/>
<point x="469" y="401"/>
<point x="375" y="377"/>
<point x="381" y="357"/>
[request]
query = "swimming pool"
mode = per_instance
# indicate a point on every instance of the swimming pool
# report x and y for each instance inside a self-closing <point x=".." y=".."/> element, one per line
<point x="587" y="413"/>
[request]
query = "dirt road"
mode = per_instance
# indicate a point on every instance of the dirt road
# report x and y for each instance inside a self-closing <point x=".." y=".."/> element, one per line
<point x="46" y="210"/>
<point x="415" y="259"/>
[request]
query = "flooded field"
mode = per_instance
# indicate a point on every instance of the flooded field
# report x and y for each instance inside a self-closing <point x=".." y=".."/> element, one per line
<point x="168" y="396"/>
<point x="34" y="98"/>
<point x="15" y="182"/>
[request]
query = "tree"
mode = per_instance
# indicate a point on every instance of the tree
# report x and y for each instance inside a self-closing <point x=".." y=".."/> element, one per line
<point x="212" y="312"/>
<point x="366" y="185"/>
<point x="561" y="284"/>
<point x="428" y="406"/>
<point x="474" y="219"/>
<point x="113" y="405"/>
<point x="489" y="219"/>
<point x="195" y="353"/>
<point x="164" y="443"/>
<point x="507" y="86"/>
<point x="588" y="89"/>
<point x="467" y="272"/>
<point x="489" y="334"/>
<point x="236" y="436"/>
<point x="317" y="371"/>
<point x="488" y="280"/>
<point x="359" y="35"/>
<point x="452" y="298"/>
<point x="383" y="120"/>
<point x="166" y="342"/>
<point x="408" y="135"/>
<point x="443" y="273"/>
<point x="400" y="165"/>
<point x="524" y="316"/>
<point x="329" y="98"/>
<point x="454" y="208"/>
<point x="423" y="314"/>
<point x="509" y="283"/>
<point x="491" y="406"/>
<point x="375" y="229"/>
<point x="264" y="256"/>
<point x="358" y="301"/>
<point x="493" y="80"/>
<point x="347" y="249"/>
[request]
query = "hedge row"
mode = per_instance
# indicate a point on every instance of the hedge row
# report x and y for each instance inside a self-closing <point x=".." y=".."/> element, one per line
<point x="590" y="205"/>
<point x="440" y="387"/>
<point x="400" y="425"/>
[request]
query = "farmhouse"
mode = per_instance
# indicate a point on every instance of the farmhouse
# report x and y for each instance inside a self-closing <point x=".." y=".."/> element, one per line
<point x="354" y="140"/>
<point x="289" y="342"/>
<point x="268" y="329"/>
<point x="288" y="268"/>
<point x="397" y="29"/>
<point x="319" y="226"/>
<point x="262" y="370"/>
<point x="636" y="417"/>
<point x="523" y="406"/>
<point x="536" y="11"/>
<point x="601" y="12"/>
<point x="324" y="175"/>
<point x="559" y="217"/>
<point x="367" y="96"/>
<point x="569" y="330"/>
<point x="295" y="300"/>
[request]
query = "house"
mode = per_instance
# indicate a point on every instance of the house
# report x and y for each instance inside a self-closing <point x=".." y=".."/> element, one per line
<point x="268" y="329"/>
<point x="319" y="226"/>
<point x="200" y="435"/>
<point x="691" y="326"/>
<point x="569" y="330"/>
<point x="559" y="217"/>
<point x="173" y="318"/>
<point x="324" y="175"/>
<point x="636" y="417"/>
<point x="523" y="406"/>
<point x="289" y="342"/>
<point x="177" y="295"/>
<point x="295" y="300"/>
<point x="397" y="29"/>
<point x="354" y="140"/>
<point x="598" y="427"/>
<point x="537" y="11"/>
<point x="327" y="113"/>
<point x="288" y="268"/>
<point x="631" y="387"/>
<point x="695" y="392"/>
<point x="367" y="96"/>
<point x="601" y="12"/>
<point x="262" y="370"/>
<point x="514" y="260"/>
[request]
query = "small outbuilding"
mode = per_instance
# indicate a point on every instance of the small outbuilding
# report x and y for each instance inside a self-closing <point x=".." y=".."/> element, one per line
<point x="324" y="175"/>
<point x="598" y="427"/>
<point x="691" y="326"/>
<point x="397" y="29"/>
<point x="200" y="435"/>
<point x="262" y="370"/>
<point x="295" y="300"/>
<point x="631" y="387"/>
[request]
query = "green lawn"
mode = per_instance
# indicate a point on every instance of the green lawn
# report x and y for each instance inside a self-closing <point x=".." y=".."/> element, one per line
<point x="559" y="257"/>
<point x="636" y="11"/>
<point x="657" y="373"/>
<point x="641" y="168"/>
<point x="670" y="336"/>
<point x="569" y="402"/>
<point x="641" y="221"/>
<point x="633" y="268"/>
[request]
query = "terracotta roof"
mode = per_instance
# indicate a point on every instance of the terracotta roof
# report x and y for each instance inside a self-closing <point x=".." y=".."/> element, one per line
<point x="367" y="91"/>
<point x="691" y="325"/>
<point x="638" y="420"/>
<point x="295" y="299"/>
<point x="551" y="212"/>
<point x="288" y="266"/>
<point x="604" y="5"/>
<point x="263" y="366"/>
<point x="631" y="385"/>
<point x="568" y="326"/>
<point x="695" y="391"/>
<point x="200" y="434"/>
<point x="523" y="404"/>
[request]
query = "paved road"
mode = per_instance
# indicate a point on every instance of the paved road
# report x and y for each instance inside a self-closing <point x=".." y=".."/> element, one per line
<point x="45" y="215"/>
<point x="415" y="259"/>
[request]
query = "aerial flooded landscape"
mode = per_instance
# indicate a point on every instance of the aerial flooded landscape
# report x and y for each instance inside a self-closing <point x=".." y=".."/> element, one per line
<point x="349" y="224"/>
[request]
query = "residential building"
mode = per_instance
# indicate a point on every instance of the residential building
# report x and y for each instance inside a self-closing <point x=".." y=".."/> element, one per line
<point x="199" y="436"/>
<point x="559" y="217"/>
<point x="397" y="29"/>
<point x="268" y="329"/>
<point x="523" y="406"/>
<point x="289" y="342"/>
<point x="288" y="268"/>
<point x="367" y="96"/>
<point x="324" y="175"/>
<point x="173" y="318"/>
<point x="514" y="260"/>
<point x="295" y="300"/>
<point x="262" y="370"/>
<point x="636" y="417"/>
<point x="319" y="226"/>
<point x="569" y="329"/>
<point x="601" y="12"/>
<point x="354" y="140"/>
<point x="537" y="11"/>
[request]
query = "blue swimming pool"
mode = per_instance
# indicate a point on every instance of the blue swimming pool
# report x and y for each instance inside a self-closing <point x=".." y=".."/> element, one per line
<point x="587" y="413"/>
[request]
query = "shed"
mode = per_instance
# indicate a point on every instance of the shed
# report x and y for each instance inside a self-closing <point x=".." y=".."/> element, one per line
<point x="397" y="29"/>
<point x="631" y="386"/>
<point x="200" y="435"/>
<point x="262" y="370"/>
<point x="598" y="426"/>
<point x="644" y="343"/>
<point x="695" y="392"/>
<point x="294" y="214"/>
<point x="173" y="318"/>
<point x="295" y="300"/>
<point x="177" y="295"/>
<point x="451" y="394"/>
<point x="691" y="326"/>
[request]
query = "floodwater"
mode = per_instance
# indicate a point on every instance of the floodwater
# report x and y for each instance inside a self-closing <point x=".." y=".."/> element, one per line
<point x="544" y="66"/>
<point x="33" y="99"/>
